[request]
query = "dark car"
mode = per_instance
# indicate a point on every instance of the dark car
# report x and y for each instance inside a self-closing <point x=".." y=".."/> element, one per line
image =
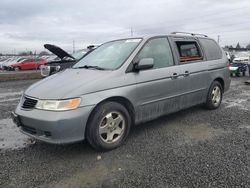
<point x="64" y="60"/>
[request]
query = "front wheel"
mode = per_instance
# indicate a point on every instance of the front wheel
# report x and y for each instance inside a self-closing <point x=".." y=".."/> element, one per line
<point x="108" y="126"/>
<point x="214" y="96"/>
<point x="17" y="69"/>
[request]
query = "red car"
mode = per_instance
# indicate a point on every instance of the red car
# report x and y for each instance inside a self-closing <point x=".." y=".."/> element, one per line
<point x="28" y="64"/>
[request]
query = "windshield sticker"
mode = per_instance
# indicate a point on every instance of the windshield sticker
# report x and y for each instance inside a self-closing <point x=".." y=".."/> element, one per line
<point x="133" y="40"/>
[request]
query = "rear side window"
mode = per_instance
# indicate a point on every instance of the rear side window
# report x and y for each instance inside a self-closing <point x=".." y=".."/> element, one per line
<point x="211" y="48"/>
<point x="27" y="61"/>
<point x="159" y="50"/>
<point x="188" y="51"/>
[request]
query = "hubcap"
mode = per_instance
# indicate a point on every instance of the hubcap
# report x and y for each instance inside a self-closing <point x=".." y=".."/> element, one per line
<point x="216" y="96"/>
<point x="112" y="127"/>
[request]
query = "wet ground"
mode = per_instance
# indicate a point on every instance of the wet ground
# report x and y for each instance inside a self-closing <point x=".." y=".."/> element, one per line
<point x="191" y="148"/>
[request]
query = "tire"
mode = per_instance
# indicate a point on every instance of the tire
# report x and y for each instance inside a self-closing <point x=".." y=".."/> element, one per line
<point x="17" y="69"/>
<point x="108" y="126"/>
<point x="244" y="73"/>
<point x="214" y="102"/>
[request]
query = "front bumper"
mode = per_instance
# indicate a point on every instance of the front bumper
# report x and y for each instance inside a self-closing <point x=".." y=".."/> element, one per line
<point x="53" y="127"/>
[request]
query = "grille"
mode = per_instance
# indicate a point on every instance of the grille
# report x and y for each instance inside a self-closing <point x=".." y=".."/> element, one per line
<point x="28" y="129"/>
<point x="29" y="103"/>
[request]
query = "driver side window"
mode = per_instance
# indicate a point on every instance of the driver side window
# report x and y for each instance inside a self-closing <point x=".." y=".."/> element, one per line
<point x="159" y="50"/>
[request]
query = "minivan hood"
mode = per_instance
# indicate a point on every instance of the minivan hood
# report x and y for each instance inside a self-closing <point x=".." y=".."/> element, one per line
<point x="68" y="84"/>
<point x="57" y="51"/>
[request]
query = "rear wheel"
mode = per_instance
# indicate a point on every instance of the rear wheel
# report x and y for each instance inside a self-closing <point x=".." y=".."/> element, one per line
<point x="214" y="96"/>
<point x="244" y="73"/>
<point x="108" y="126"/>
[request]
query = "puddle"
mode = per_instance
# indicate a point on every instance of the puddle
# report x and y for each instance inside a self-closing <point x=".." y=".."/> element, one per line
<point x="245" y="126"/>
<point x="243" y="104"/>
<point x="241" y="101"/>
<point x="91" y="178"/>
<point x="101" y="174"/>
<point x="200" y="132"/>
<point x="11" y="137"/>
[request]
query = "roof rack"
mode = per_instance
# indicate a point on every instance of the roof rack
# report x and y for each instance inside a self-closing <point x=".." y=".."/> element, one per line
<point x="192" y="34"/>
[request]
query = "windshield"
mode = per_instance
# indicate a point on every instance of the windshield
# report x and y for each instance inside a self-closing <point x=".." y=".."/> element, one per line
<point x="110" y="55"/>
<point x="79" y="54"/>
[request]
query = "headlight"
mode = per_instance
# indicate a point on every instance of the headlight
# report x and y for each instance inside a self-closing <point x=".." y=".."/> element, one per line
<point x="58" y="68"/>
<point x="58" y="105"/>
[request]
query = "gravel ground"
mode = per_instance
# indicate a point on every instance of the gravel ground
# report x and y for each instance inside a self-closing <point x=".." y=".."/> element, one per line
<point x="191" y="148"/>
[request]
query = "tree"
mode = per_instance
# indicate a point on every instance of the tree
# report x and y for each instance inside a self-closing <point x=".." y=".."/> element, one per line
<point x="248" y="46"/>
<point x="238" y="45"/>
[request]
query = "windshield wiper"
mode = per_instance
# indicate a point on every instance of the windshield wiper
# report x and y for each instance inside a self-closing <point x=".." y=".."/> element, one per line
<point x="90" y="67"/>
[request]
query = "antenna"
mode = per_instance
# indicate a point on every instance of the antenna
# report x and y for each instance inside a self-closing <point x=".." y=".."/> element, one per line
<point x="131" y="32"/>
<point x="218" y="39"/>
<point x="73" y="46"/>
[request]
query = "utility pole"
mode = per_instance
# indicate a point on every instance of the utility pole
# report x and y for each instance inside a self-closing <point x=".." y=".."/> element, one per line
<point x="218" y="39"/>
<point x="73" y="46"/>
<point x="131" y="32"/>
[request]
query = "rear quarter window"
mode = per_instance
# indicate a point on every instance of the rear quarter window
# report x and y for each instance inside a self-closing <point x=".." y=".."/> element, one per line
<point x="211" y="49"/>
<point x="189" y="51"/>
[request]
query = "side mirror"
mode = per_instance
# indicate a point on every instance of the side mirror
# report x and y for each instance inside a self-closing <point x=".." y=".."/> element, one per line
<point x="145" y="63"/>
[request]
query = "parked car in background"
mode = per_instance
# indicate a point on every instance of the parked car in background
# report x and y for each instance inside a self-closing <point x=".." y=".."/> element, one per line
<point x="13" y="60"/>
<point x="3" y="60"/>
<point x="240" y="64"/>
<point x="237" y="69"/>
<point x="121" y="83"/>
<point x="28" y="64"/>
<point x="7" y="62"/>
<point x="64" y="60"/>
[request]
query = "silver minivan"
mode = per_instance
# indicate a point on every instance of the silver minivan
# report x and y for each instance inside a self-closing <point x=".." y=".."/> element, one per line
<point x="122" y="83"/>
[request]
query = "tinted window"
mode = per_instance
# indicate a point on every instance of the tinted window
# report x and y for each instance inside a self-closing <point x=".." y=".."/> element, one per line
<point x="159" y="50"/>
<point x="211" y="48"/>
<point x="188" y="51"/>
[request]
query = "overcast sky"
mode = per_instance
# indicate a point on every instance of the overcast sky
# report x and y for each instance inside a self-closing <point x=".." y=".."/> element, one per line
<point x="28" y="24"/>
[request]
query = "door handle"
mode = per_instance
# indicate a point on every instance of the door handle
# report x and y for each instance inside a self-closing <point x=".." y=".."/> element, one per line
<point x="174" y="76"/>
<point x="186" y="73"/>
